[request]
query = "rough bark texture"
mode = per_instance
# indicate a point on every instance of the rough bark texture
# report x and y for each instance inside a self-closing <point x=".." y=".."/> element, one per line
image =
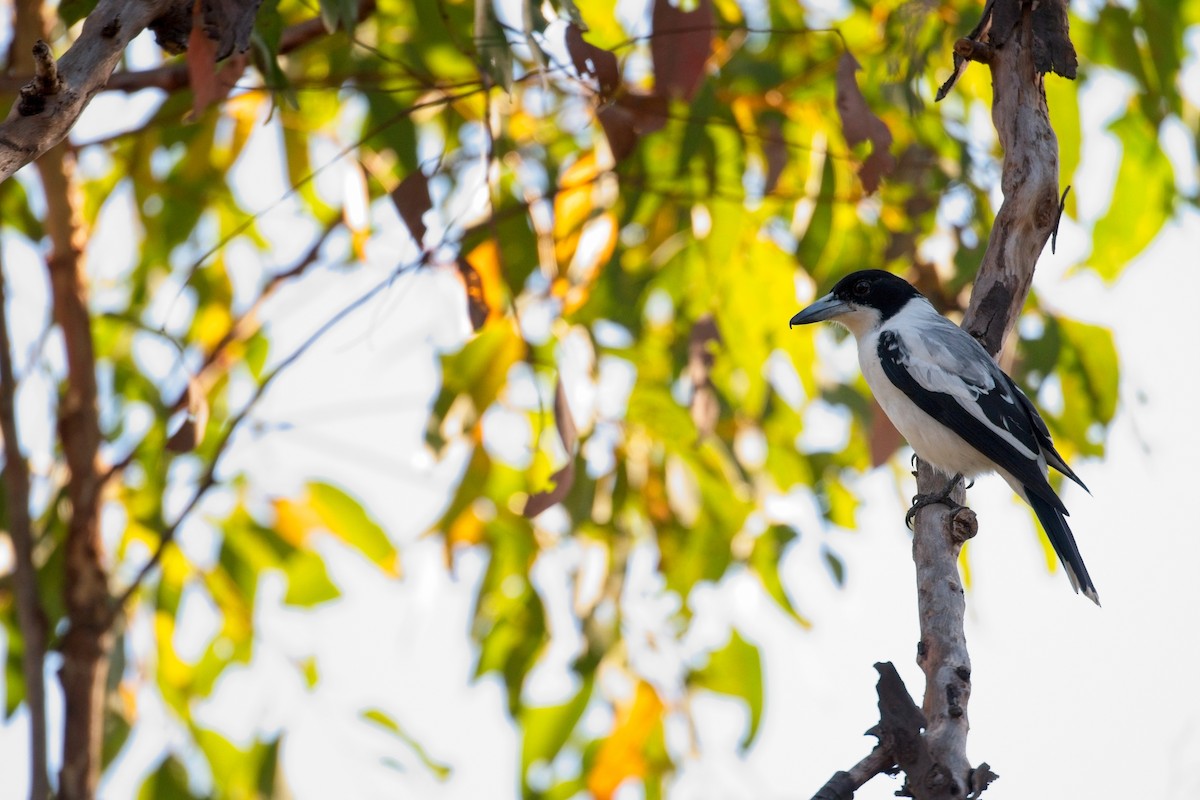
<point x="1019" y="43"/>
<point x="33" y="128"/>
<point x="1023" y="225"/>
<point x="942" y="654"/>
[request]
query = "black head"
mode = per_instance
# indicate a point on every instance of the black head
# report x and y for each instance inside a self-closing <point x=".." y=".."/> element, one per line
<point x="880" y="290"/>
<point x="861" y="300"/>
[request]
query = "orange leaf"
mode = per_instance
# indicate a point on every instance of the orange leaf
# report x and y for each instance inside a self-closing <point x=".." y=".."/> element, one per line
<point x="622" y="755"/>
<point x="485" y="261"/>
<point x="294" y="520"/>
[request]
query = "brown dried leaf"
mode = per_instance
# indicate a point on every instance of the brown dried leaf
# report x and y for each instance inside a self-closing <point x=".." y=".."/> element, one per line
<point x="877" y="165"/>
<point x="592" y="61"/>
<point x="565" y="477"/>
<point x="412" y="201"/>
<point x="649" y="111"/>
<point x="202" y="67"/>
<point x="209" y="84"/>
<point x="680" y="46"/>
<point x="860" y="124"/>
<point x="477" y="306"/>
<point x="775" y="151"/>
<point x="619" y="126"/>
<point x="705" y="408"/>
<point x="191" y="433"/>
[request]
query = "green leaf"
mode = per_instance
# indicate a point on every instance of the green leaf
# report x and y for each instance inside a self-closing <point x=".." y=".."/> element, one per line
<point x="480" y="369"/>
<point x="14" y="674"/>
<point x="1096" y="354"/>
<point x="764" y="563"/>
<point x="495" y="56"/>
<point x="242" y="772"/>
<point x="348" y="521"/>
<point x="383" y="720"/>
<point x="1062" y="98"/>
<point x="168" y="782"/>
<point x="309" y="583"/>
<point x="1142" y="200"/>
<point x="545" y="729"/>
<point x="736" y="670"/>
<point x="836" y="568"/>
<point x="337" y="14"/>
<point x="71" y="11"/>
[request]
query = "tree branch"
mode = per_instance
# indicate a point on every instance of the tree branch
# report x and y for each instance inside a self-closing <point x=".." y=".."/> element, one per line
<point x="41" y="119"/>
<point x="88" y="640"/>
<point x="31" y="618"/>
<point x="1023" y="225"/>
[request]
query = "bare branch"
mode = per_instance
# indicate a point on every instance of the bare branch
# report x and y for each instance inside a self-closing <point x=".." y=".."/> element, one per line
<point x="1023" y="225"/>
<point x="88" y="640"/>
<point x="31" y="617"/>
<point x="41" y="119"/>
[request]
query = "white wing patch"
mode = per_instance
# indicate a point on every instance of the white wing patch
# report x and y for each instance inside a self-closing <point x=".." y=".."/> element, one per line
<point x="943" y="358"/>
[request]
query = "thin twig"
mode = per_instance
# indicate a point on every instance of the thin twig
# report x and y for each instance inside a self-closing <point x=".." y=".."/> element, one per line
<point x="208" y="480"/>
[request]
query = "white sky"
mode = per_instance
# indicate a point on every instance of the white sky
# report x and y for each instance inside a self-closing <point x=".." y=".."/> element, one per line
<point x="1069" y="700"/>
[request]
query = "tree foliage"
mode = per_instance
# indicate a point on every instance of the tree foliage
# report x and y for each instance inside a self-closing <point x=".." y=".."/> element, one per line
<point x="633" y="204"/>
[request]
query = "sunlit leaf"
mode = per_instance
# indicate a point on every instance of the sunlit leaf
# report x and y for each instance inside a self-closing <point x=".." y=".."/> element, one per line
<point x="388" y="723"/>
<point x="735" y="669"/>
<point x="1141" y="203"/>
<point x="309" y="583"/>
<point x="345" y="518"/>
<point x="764" y="563"/>
<point x="622" y="755"/>
<point x="545" y="729"/>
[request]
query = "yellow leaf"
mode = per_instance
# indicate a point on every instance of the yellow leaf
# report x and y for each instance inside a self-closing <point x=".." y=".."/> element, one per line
<point x="212" y="322"/>
<point x="294" y="520"/>
<point x="622" y="755"/>
<point x="171" y="669"/>
<point x="573" y="202"/>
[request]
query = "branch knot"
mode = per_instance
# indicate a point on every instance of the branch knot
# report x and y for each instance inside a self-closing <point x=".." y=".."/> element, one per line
<point x="44" y="84"/>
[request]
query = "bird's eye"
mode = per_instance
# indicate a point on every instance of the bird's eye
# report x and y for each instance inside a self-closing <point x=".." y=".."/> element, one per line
<point x="862" y="288"/>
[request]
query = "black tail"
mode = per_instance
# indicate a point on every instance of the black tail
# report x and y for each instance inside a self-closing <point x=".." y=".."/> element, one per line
<point x="1055" y="525"/>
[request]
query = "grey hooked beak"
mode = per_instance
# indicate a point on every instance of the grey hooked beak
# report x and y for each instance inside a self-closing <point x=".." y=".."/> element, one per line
<point x="825" y="308"/>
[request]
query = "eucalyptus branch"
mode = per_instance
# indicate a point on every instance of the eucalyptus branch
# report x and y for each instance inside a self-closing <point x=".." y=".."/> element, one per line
<point x="1023" y="225"/>
<point x="45" y="113"/>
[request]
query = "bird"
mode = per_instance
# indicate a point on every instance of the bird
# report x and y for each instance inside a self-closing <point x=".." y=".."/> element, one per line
<point x="946" y="395"/>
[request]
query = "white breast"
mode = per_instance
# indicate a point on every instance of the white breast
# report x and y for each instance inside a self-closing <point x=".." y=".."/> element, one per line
<point x="930" y="439"/>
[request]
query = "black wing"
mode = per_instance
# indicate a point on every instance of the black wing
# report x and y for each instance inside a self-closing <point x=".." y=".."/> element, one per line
<point x="1000" y="407"/>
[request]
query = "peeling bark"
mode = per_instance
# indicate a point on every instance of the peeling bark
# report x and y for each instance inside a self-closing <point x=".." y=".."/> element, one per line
<point x="1023" y="225"/>
<point x="1025" y="43"/>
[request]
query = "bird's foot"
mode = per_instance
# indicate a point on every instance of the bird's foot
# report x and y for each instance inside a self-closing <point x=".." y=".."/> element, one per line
<point x="919" y="501"/>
